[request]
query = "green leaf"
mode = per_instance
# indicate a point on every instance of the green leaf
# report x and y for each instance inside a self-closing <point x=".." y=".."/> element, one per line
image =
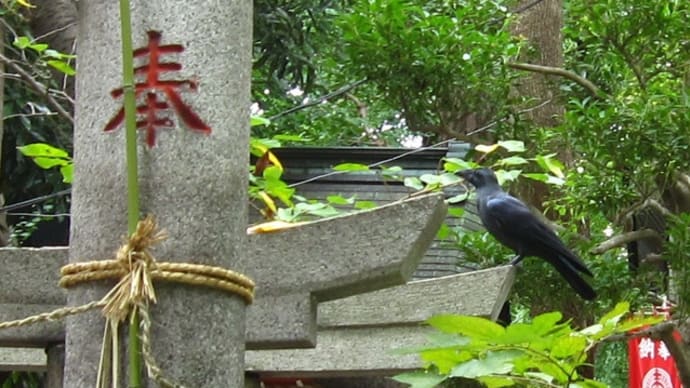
<point x="287" y="215"/>
<point x="67" y="172"/>
<point x="512" y="161"/>
<point x="413" y="182"/>
<point x="51" y="53"/>
<point x="340" y="200"/>
<point x="61" y="66"/>
<point x="473" y="327"/>
<point x="317" y="209"/>
<point x="430" y="179"/>
<point x="420" y="379"/>
<point x="351" y="167"/>
<point x="440" y="339"/>
<point x="519" y="333"/>
<point x="543" y="323"/>
<point x="458" y="198"/>
<point x="287" y="137"/>
<point x="454" y="165"/>
<point x="593" y="330"/>
<point x="445" y="359"/>
<point x="507" y="176"/>
<point x="21" y="42"/>
<point x="39" y="47"/>
<point x="496" y="381"/>
<point x="612" y="317"/>
<point x="639" y="322"/>
<point x="495" y="363"/>
<point x="447" y="179"/>
<point x="443" y="232"/>
<point x="363" y="205"/>
<point x="259" y="146"/>
<point x="258" y="120"/>
<point x="553" y="369"/>
<point x="47" y="53"/>
<point x="546" y="178"/>
<point x="272" y="173"/>
<point x="391" y="172"/>
<point x="45" y="155"/>
<point x="536" y="176"/>
<point x="548" y="163"/>
<point x="569" y="346"/>
<point x="42" y="149"/>
<point x="456" y="211"/>
<point x="512" y="145"/>
<point x="540" y="376"/>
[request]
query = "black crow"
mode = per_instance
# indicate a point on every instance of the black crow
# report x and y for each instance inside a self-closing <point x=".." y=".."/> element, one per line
<point x="511" y="222"/>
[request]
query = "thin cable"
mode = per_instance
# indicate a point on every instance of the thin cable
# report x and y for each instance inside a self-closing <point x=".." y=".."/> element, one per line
<point x="32" y="201"/>
<point x="42" y="215"/>
<point x="376" y="164"/>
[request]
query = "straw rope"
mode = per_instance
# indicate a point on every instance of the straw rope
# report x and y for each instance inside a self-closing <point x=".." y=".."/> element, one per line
<point x="136" y="268"/>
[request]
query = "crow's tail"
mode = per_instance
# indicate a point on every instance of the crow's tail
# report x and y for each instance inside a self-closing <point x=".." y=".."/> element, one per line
<point x="576" y="281"/>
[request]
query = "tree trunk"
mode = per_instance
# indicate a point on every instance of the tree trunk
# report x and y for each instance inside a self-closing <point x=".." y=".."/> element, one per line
<point x="541" y="25"/>
<point x="4" y="232"/>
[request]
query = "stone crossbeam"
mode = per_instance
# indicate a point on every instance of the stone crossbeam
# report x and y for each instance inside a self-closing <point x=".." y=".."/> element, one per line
<point x="358" y="335"/>
<point x="353" y="329"/>
<point x="292" y="269"/>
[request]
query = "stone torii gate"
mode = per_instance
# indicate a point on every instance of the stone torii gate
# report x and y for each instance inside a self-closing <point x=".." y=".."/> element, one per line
<point x="195" y="185"/>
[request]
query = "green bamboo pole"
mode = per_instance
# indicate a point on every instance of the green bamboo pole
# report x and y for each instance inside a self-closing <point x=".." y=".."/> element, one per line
<point x="132" y="170"/>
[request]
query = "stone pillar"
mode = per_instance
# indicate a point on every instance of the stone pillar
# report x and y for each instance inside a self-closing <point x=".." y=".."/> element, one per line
<point x="194" y="184"/>
<point x="55" y="362"/>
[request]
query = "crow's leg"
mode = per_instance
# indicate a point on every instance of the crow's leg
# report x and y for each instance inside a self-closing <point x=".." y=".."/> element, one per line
<point x="517" y="259"/>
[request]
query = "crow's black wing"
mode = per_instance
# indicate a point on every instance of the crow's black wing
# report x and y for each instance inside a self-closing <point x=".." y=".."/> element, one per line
<point x="500" y="213"/>
<point x="512" y="223"/>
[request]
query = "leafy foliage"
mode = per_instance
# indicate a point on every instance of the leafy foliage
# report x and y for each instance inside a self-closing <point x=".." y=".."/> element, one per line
<point x="28" y="119"/>
<point x="611" y="364"/>
<point x="286" y="38"/>
<point x="22" y="380"/>
<point x="47" y="156"/>
<point x="449" y="56"/>
<point x="55" y="59"/>
<point x="544" y="352"/>
<point x="631" y="142"/>
<point x="676" y="249"/>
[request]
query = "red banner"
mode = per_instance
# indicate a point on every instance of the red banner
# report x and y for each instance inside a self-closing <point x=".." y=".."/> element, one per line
<point x="651" y="364"/>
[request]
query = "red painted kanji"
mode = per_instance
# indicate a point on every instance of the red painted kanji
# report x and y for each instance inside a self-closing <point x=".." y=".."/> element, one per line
<point x="148" y="113"/>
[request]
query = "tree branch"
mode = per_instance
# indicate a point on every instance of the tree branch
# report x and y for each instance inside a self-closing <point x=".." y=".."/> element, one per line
<point x="549" y="70"/>
<point x="649" y="202"/>
<point x="622" y="239"/>
<point x="319" y="100"/>
<point x="630" y="60"/>
<point x="38" y="88"/>
<point x="652" y="258"/>
<point x="666" y="332"/>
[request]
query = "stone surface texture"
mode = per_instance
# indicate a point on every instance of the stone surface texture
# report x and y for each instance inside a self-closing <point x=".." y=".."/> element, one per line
<point x="357" y="335"/>
<point x="330" y="259"/>
<point x="195" y="185"/>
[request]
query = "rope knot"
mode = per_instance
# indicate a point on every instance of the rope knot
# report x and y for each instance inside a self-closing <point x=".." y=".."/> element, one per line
<point x="134" y="257"/>
<point x="134" y="266"/>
